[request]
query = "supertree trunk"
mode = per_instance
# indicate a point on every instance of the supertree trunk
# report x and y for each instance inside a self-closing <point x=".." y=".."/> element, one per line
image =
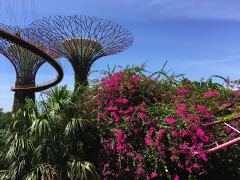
<point x="80" y="74"/>
<point x="20" y="97"/>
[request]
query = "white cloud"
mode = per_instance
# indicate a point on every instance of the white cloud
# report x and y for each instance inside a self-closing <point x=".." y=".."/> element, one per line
<point x="209" y="62"/>
<point x="192" y="9"/>
<point x="225" y="67"/>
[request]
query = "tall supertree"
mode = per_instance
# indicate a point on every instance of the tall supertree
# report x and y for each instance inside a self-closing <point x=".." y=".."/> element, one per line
<point x="82" y="40"/>
<point x="26" y="63"/>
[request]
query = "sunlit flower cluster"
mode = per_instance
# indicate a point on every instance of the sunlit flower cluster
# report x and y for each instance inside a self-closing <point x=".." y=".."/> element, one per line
<point x="152" y="129"/>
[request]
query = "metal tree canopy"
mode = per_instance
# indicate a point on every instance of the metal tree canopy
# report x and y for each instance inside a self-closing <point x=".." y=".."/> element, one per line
<point x="82" y="40"/>
<point x="26" y="64"/>
<point x="26" y="59"/>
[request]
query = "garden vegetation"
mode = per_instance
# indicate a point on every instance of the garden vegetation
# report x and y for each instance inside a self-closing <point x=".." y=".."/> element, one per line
<point x="130" y="124"/>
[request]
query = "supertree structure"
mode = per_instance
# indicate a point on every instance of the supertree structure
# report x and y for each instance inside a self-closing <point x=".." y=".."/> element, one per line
<point x="26" y="63"/>
<point x="82" y="40"/>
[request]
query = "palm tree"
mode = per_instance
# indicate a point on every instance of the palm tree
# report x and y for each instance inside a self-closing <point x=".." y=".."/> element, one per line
<point x="48" y="141"/>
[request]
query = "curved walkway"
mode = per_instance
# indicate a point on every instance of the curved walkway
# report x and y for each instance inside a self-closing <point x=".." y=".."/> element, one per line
<point x="29" y="46"/>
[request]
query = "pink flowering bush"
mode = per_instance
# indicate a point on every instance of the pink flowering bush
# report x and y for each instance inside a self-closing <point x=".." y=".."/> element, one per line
<point x="152" y="128"/>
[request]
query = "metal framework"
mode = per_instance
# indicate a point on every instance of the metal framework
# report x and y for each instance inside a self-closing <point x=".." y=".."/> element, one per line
<point x="27" y="56"/>
<point x="223" y="145"/>
<point x="82" y="40"/>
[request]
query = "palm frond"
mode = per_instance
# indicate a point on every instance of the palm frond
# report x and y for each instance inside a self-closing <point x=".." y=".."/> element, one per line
<point x="43" y="172"/>
<point x="82" y="170"/>
<point x="74" y="129"/>
<point x="19" y="147"/>
<point x="40" y="128"/>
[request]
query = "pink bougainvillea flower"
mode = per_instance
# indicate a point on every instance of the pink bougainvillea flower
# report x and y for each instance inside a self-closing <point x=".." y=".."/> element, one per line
<point x="119" y="135"/>
<point x="182" y="91"/>
<point x="170" y="121"/>
<point x="174" y="133"/>
<point x="139" y="157"/>
<point x="102" y="115"/>
<point x="140" y="171"/>
<point x="121" y="111"/>
<point x="141" y="115"/>
<point x="116" y="118"/>
<point x="200" y="132"/>
<point x="151" y="131"/>
<point x="148" y="122"/>
<point x="106" y="165"/>
<point x="136" y="79"/>
<point x="113" y="114"/>
<point x="120" y="147"/>
<point x="180" y="165"/>
<point x="180" y="113"/>
<point x="127" y="169"/>
<point x="189" y="170"/>
<point x="193" y="117"/>
<point x="108" y="172"/>
<point x="121" y="100"/>
<point x="203" y="156"/>
<point x="210" y="94"/>
<point x="184" y="133"/>
<point x="161" y="133"/>
<point x="183" y="147"/>
<point x="154" y="174"/>
<point x="148" y="140"/>
<point x="196" y="166"/>
<point x="130" y="109"/>
<point x="176" y="177"/>
<point x="181" y="107"/>
<point x="202" y="109"/>
<point x="112" y="108"/>
<point x="205" y="139"/>
<point x="173" y="157"/>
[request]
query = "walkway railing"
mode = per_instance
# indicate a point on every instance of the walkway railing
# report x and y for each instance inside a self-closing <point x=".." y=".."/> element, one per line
<point x="31" y="47"/>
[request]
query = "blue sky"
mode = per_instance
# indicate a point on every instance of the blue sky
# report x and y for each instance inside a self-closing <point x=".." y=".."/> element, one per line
<point x="198" y="38"/>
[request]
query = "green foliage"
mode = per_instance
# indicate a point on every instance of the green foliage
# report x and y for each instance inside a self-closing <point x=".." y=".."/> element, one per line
<point x="48" y="141"/>
<point x="59" y="137"/>
<point x="78" y="170"/>
<point x="42" y="171"/>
